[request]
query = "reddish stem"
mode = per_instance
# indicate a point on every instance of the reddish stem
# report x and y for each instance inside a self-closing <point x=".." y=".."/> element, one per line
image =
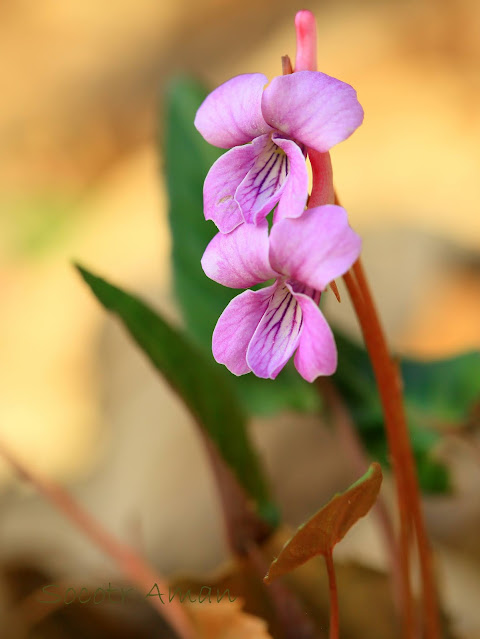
<point x="390" y="387"/>
<point x="371" y="339"/>
<point x="323" y="193"/>
<point x="332" y="584"/>
<point x="322" y="170"/>
<point x="388" y="381"/>
<point x="352" y="443"/>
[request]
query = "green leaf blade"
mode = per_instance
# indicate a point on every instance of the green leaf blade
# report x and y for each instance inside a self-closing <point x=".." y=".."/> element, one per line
<point x="196" y="379"/>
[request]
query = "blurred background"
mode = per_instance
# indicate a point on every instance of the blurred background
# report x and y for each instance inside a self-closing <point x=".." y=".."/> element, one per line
<point x="81" y="179"/>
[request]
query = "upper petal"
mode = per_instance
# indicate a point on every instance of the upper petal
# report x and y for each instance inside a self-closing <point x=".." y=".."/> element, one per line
<point x="294" y="196"/>
<point x="315" y="248"/>
<point x="277" y="334"/>
<point x="222" y="180"/>
<point x="232" y="114"/>
<point x="263" y="185"/>
<point x="235" y="329"/>
<point x="313" y="108"/>
<point x="316" y="353"/>
<point x="239" y="259"/>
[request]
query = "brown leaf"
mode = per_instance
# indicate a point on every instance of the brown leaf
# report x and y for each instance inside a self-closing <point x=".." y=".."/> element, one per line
<point x="226" y="620"/>
<point x="329" y="525"/>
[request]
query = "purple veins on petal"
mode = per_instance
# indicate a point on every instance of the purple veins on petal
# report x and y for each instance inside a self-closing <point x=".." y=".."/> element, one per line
<point x="259" y="331"/>
<point x="295" y="192"/>
<point x="263" y="184"/>
<point x="277" y="334"/>
<point x="220" y="186"/>
<point x="236" y="326"/>
<point x="316" y="353"/>
<point x="304" y="289"/>
<point x="303" y="109"/>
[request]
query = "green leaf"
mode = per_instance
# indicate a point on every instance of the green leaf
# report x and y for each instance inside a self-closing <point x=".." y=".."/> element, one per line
<point x="196" y="379"/>
<point x="443" y="392"/>
<point x="188" y="160"/>
<point x="437" y="393"/>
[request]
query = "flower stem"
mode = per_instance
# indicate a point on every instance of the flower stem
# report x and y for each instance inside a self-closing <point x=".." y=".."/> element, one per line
<point x="332" y="584"/>
<point x="390" y="387"/>
<point x="371" y="340"/>
<point x="352" y="444"/>
<point x="321" y="164"/>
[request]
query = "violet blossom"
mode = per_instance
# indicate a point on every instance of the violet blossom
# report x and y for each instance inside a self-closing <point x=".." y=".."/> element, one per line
<point x="268" y="129"/>
<point x="260" y="330"/>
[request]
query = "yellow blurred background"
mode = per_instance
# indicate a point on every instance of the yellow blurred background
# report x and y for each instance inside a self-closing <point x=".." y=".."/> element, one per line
<point x="81" y="178"/>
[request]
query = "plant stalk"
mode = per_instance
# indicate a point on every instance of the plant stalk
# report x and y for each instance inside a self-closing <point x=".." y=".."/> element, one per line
<point x="351" y="442"/>
<point x="332" y="584"/>
<point x="401" y="489"/>
<point x="388" y="381"/>
<point x="390" y="387"/>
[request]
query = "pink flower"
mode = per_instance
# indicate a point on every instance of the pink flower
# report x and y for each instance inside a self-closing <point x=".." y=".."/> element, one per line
<point x="304" y="109"/>
<point x="260" y="330"/>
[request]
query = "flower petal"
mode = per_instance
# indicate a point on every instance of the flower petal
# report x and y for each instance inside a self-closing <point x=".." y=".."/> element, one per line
<point x="232" y="114"/>
<point x="313" y="108"/>
<point x="222" y="180"/>
<point x="236" y="326"/>
<point x="316" y="353"/>
<point x="239" y="259"/>
<point x="294" y="196"/>
<point x="263" y="185"/>
<point x="277" y="334"/>
<point x="315" y="248"/>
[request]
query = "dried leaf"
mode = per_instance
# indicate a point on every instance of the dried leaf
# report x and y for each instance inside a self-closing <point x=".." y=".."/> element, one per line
<point x="329" y="525"/>
<point x="226" y="620"/>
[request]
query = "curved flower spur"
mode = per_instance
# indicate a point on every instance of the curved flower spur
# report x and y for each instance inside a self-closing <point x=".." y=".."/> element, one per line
<point x="267" y="129"/>
<point x="260" y="330"/>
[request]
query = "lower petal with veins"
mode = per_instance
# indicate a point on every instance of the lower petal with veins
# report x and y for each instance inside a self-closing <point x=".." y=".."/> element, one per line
<point x="317" y="353"/>
<point x="277" y="334"/>
<point x="262" y="187"/>
<point x="236" y="326"/>
<point x="294" y="196"/>
<point x="221" y="184"/>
